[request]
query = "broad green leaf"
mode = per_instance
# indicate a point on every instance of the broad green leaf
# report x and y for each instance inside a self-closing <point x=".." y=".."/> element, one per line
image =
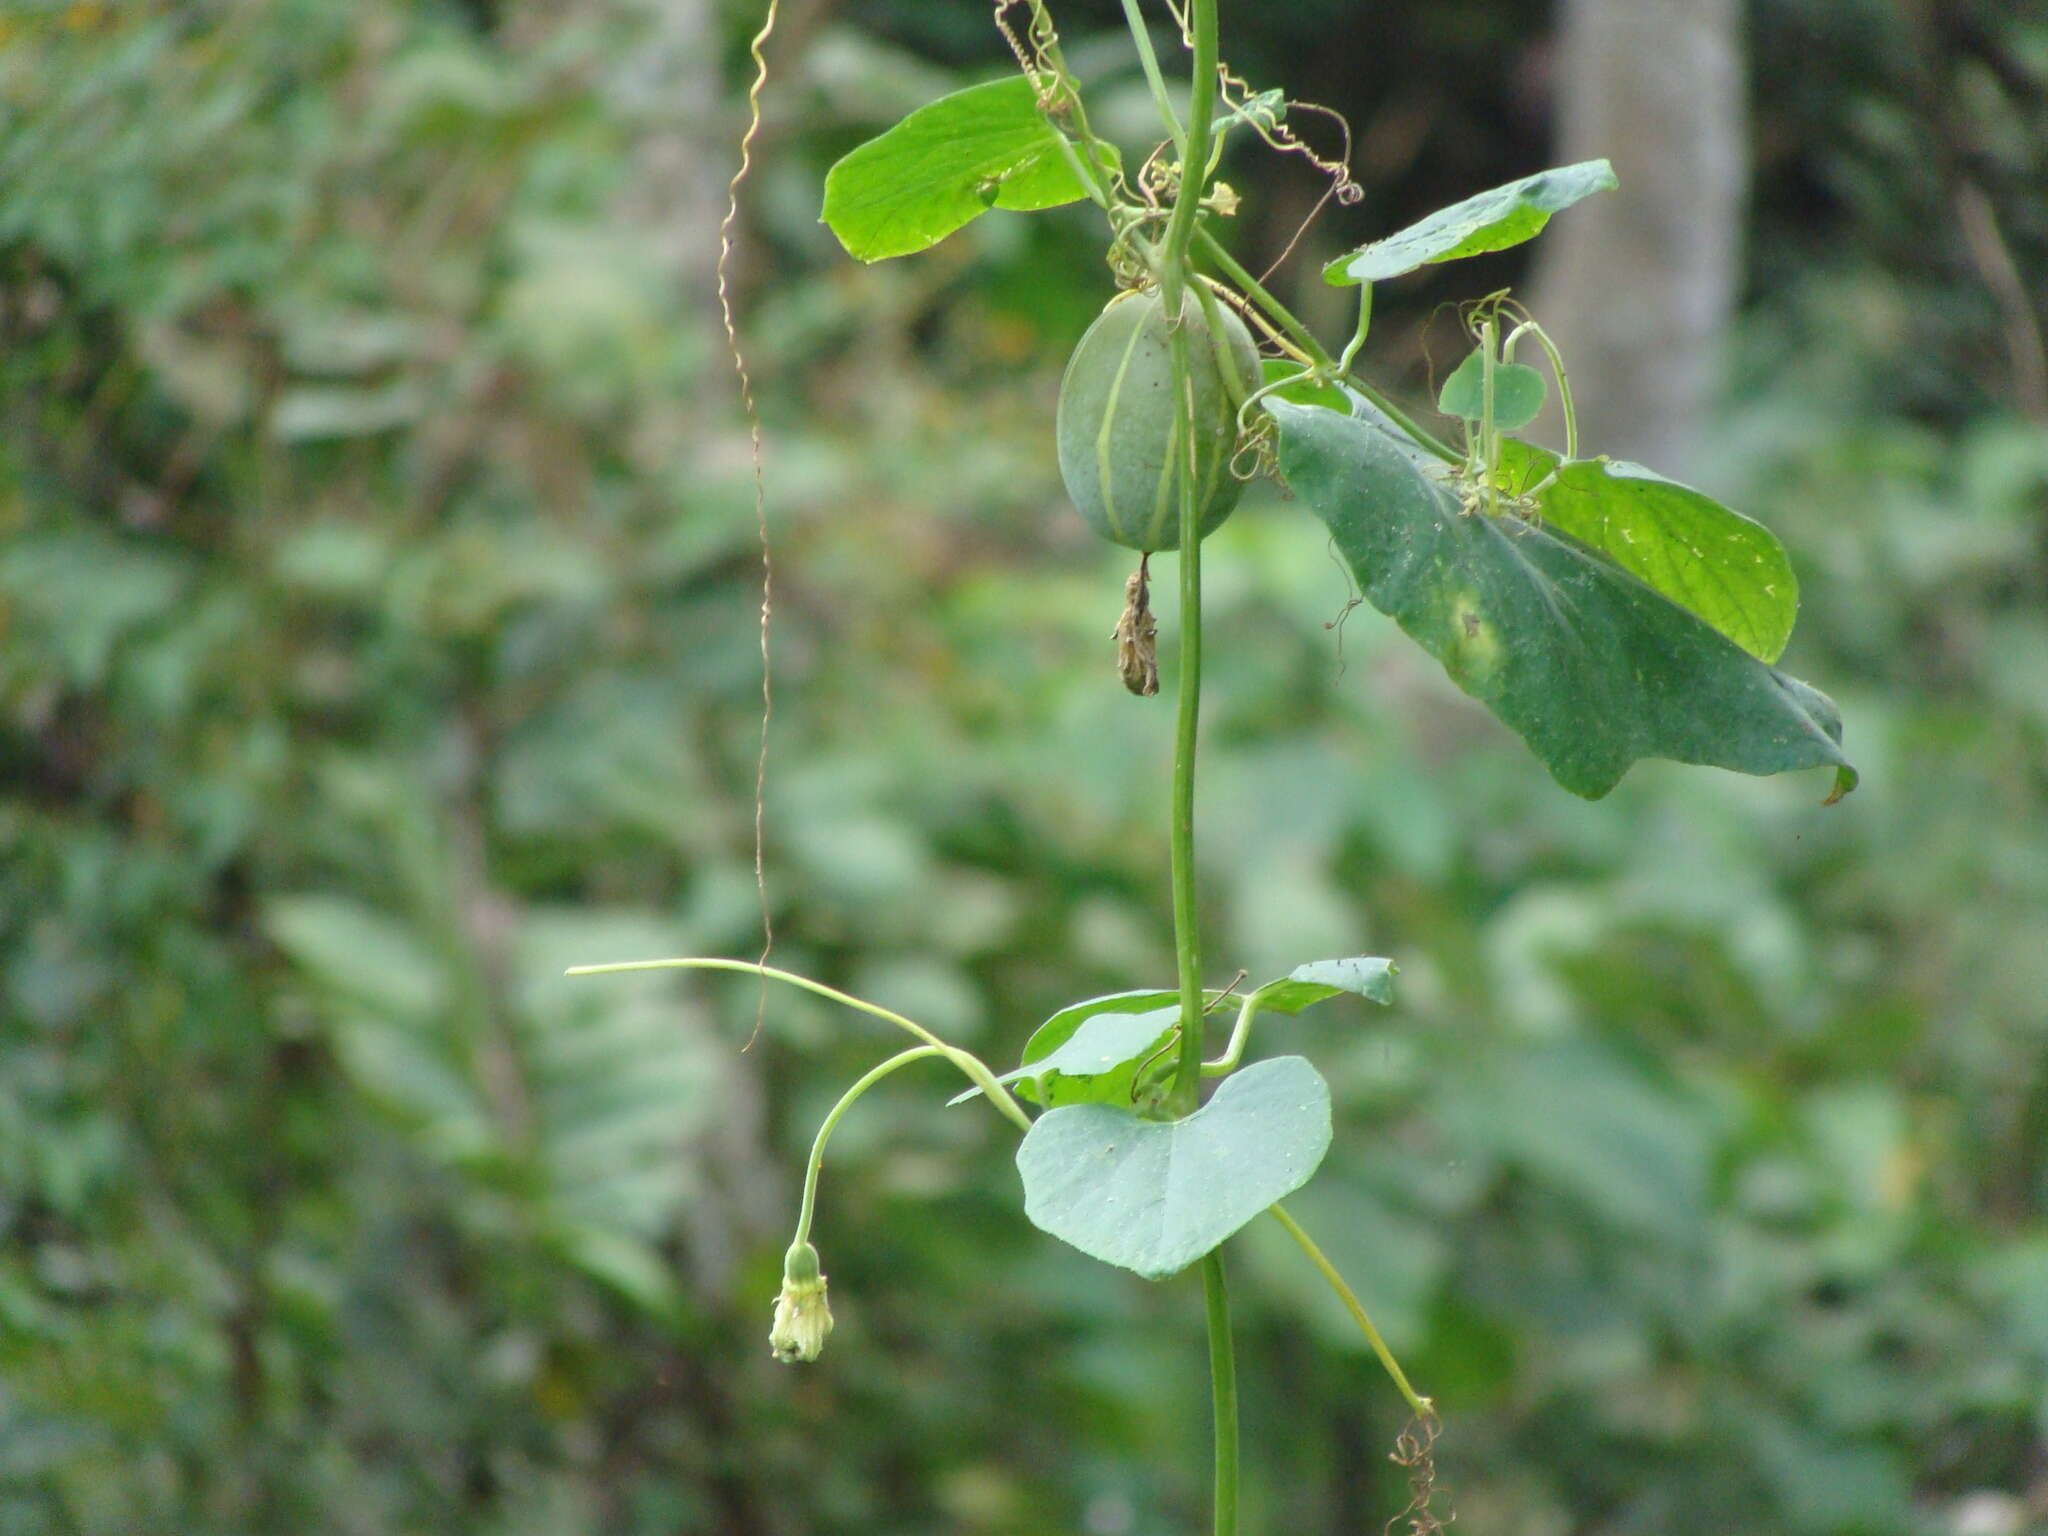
<point x="944" y="165"/>
<point x="1487" y="221"/>
<point x="1723" y="567"/>
<point x="1518" y="393"/>
<point x="1155" y="1195"/>
<point x="1099" y="1062"/>
<point x="1368" y="977"/>
<point x="1591" y="666"/>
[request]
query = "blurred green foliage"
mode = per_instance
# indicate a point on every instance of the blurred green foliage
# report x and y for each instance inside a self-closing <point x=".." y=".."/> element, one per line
<point x="378" y="589"/>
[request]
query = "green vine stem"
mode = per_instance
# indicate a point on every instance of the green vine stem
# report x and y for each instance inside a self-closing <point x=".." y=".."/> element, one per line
<point x="1222" y="1390"/>
<point x="1148" y="61"/>
<point x="1420" y="1405"/>
<point x="1174" y="271"/>
<point x="1059" y="100"/>
<point x="1187" y="939"/>
<point x="846" y="1102"/>
<point x="1180" y="229"/>
<point x="1489" y="439"/>
<point x="1302" y="337"/>
<point x="973" y="1066"/>
<point x="1359" y="331"/>
<point x="1253" y="289"/>
<point x="1557" y="371"/>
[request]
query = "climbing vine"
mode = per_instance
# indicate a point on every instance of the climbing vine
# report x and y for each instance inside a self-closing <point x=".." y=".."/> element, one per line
<point x="1603" y="612"/>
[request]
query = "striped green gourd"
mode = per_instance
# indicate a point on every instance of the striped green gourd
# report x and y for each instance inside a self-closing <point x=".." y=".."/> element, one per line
<point x="1119" y="442"/>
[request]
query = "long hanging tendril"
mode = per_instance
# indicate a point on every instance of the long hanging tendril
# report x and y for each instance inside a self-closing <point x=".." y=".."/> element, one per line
<point x="739" y="362"/>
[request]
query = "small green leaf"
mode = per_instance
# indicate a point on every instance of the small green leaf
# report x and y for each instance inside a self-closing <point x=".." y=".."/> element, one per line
<point x="1369" y="977"/>
<point x="981" y="148"/>
<point x="1099" y="1062"/>
<point x="1105" y="1042"/>
<point x="1592" y="667"/>
<point x="1267" y="111"/>
<point x="1518" y="393"/>
<point x="1302" y="390"/>
<point x="1721" y="566"/>
<point x="1487" y="221"/>
<point x="1059" y="1029"/>
<point x="1155" y="1195"/>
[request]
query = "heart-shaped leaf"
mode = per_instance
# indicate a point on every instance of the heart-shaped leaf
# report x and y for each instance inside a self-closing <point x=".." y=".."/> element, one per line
<point x="1518" y="393"/>
<point x="1155" y="1195"/>
<point x="1486" y="221"/>
<point x="1594" y="668"/>
<point x="1367" y="976"/>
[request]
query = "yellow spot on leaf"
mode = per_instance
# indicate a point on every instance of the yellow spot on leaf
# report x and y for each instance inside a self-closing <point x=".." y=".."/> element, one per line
<point x="1475" y="644"/>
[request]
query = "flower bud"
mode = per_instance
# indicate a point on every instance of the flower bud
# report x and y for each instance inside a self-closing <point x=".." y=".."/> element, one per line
<point x="802" y="1319"/>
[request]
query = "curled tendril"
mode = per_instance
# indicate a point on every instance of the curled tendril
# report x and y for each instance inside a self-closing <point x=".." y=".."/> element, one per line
<point x="1343" y="187"/>
<point x="1032" y="58"/>
<point x="1415" y="1453"/>
<point x="1255" y="454"/>
<point x="1339" y="183"/>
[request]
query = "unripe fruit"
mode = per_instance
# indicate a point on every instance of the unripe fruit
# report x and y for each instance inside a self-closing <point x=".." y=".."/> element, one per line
<point x="1120" y="451"/>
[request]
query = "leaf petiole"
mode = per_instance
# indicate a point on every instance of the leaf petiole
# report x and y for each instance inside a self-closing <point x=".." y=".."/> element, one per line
<point x="976" y="1069"/>
<point x="1141" y="36"/>
<point x="1254" y="290"/>
<point x="1564" y="386"/>
<point x="1421" y="1406"/>
<point x="1358" y="334"/>
<point x="1240" y="1036"/>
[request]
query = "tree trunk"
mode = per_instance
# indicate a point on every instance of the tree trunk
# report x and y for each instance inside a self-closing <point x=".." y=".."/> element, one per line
<point x="1637" y="286"/>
